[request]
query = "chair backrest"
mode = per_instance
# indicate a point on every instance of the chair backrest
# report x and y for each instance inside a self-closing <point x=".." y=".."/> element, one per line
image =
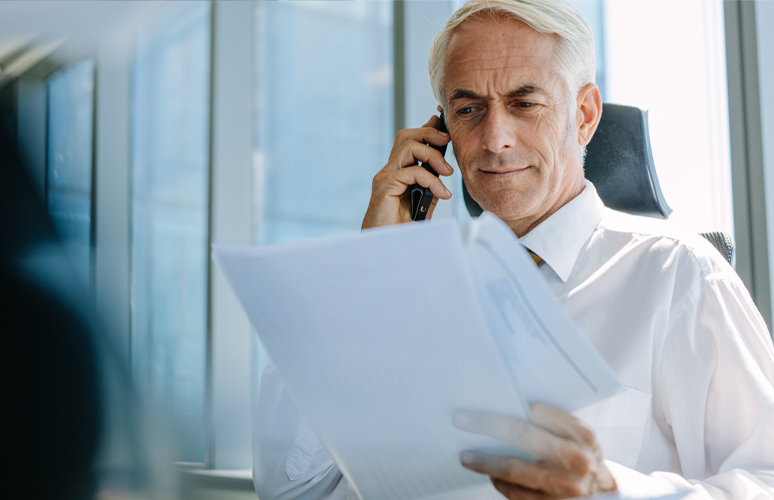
<point x="619" y="162"/>
<point x="723" y="243"/>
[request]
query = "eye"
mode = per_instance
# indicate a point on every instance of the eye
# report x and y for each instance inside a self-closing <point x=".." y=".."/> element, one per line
<point x="466" y="111"/>
<point x="524" y="104"/>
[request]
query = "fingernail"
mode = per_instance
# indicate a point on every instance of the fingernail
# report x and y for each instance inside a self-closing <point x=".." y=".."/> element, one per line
<point x="462" y="420"/>
<point x="447" y="191"/>
<point x="450" y="167"/>
<point x="466" y="458"/>
<point x="443" y="133"/>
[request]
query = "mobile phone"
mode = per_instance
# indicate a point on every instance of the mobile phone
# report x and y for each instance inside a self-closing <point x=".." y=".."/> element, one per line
<point x="422" y="197"/>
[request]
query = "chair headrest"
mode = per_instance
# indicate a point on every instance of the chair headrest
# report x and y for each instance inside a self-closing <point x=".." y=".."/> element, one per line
<point x="619" y="162"/>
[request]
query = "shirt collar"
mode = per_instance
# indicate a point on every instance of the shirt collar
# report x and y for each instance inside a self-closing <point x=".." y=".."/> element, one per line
<point x="558" y="239"/>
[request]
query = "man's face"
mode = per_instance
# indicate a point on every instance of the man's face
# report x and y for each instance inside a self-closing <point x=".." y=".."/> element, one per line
<point x="513" y="128"/>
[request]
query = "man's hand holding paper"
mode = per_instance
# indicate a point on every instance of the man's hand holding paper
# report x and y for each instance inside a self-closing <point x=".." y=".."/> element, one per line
<point x="570" y="461"/>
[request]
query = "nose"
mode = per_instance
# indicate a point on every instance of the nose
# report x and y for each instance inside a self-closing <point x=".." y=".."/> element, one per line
<point x="497" y="131"/>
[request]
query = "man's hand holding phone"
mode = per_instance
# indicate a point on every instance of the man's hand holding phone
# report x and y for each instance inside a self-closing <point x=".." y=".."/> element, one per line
<point x="390" y="195"/>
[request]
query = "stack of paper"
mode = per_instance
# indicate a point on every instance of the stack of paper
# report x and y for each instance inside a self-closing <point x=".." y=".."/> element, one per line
<point x="382" y="336"/>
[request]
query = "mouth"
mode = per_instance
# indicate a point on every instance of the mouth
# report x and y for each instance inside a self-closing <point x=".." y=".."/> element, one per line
<point x="503" y="174"/>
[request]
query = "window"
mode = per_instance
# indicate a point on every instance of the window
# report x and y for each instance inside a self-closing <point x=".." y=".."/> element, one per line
<point x="323" y="113"/>
<point x="170" y="183"/>
<point x="69" y="172"/>
<point x="669" y="57"/>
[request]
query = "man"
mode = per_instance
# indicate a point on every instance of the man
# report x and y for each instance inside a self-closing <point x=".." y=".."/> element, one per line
<point x="515" y="79"/>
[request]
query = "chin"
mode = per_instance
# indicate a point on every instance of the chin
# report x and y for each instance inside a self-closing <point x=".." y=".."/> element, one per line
<point x="506" y="203"/>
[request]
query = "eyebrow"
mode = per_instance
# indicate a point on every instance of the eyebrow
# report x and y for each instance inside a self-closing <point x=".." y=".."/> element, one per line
<point x="520" y="91"/>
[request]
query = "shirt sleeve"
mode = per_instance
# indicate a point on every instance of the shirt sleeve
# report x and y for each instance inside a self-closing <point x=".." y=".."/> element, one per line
<point x="716" y="391"/>
<point x="289" y="462"/>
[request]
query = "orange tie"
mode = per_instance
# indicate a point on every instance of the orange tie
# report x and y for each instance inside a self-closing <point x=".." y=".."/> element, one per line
<point x="535" y="257"/>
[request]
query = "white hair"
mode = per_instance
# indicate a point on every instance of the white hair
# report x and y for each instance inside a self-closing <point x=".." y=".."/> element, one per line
<point x="575" y="56"/>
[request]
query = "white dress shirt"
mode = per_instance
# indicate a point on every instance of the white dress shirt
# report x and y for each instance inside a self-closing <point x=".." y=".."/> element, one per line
<point x="673" y="320"/>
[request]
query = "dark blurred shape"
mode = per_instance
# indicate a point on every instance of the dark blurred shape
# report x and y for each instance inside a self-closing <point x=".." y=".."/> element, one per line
<point x="51" y="396"/>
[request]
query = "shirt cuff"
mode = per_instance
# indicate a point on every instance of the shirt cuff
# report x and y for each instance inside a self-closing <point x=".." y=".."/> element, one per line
<point x="633" y="484"/>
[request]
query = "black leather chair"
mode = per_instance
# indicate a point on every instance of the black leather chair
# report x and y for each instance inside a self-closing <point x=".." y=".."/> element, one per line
<point x="619" y="162"/>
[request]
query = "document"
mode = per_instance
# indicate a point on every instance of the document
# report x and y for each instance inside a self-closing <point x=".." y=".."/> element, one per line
<point x="382" y="336"/>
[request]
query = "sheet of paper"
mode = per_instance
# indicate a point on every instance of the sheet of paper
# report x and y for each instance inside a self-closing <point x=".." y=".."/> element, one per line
<point x="616" y="496"/>
<point x="549" y="359"/>
<point x="381" y="337"/>
<point x="380" y="340"/>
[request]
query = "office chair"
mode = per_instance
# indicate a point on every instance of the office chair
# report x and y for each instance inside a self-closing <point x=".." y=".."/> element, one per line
<point x="619" y="162"/>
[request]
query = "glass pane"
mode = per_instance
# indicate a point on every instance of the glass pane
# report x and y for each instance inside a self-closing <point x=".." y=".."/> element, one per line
<point x="170" y="158"/>
<point x="679" y="75"/>
<point x="70" y="136"/>
<point x="323" y="113"/>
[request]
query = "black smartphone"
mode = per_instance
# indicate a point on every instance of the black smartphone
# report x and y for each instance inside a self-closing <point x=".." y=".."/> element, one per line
<point x="422" y="197"/>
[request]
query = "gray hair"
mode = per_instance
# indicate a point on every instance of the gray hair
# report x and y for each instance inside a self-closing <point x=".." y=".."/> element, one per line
<point x="575" y="60"/>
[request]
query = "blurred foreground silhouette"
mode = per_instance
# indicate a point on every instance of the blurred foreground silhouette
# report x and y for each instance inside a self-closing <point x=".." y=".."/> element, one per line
<point x="73" y="426"/>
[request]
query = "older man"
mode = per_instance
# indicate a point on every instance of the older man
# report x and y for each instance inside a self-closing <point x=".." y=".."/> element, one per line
<point x="515" y="79"/>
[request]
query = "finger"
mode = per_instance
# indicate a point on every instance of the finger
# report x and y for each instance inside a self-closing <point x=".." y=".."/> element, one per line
<point x="396" y="183"/>
<point x="526" y="474"/>
<point x="508" y="469"/>
<point x="563" y="424"/>
<point x="425" y="135"/>
<point x="513" y="492"/>
<point x="413" y="152"/>
<point x="432" y="208"/>
<point x="529" y="438"/>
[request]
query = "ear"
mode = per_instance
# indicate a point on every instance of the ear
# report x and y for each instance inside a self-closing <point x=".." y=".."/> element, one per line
<point x="588" y="113"/>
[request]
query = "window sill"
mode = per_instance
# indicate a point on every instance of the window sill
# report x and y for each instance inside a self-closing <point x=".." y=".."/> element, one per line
<point x="232" y="480"/>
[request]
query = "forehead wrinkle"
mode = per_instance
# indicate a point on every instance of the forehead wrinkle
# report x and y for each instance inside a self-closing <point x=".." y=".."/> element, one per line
<point x="525" y="84"/>
<point x="522" y="60"/>
<point x="518" y="90"/>
<point x="496" y="63"/>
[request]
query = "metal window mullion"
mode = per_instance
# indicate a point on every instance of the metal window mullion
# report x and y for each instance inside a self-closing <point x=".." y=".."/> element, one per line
<point x="209" y="438"/>
<point x="750" y="226"/>
<point x="229" y="350"/>
<point x="399" y="65"/>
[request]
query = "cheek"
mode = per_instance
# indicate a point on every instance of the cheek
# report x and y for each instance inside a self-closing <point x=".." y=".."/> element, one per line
<point x="461" y="147"/>
<point x="557" y="144"/>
